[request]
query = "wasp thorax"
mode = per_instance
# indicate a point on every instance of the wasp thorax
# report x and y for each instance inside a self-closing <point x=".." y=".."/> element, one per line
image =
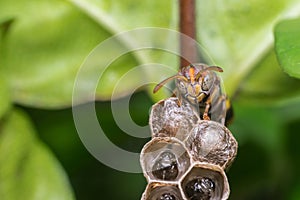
<point x="164" y="159"/>
<point x="171" y="118"/>
<point x="205" y="182"/>
<point x="165" y="166"/>
<point x="212" y="142"/>
<point x="162" y="191"/>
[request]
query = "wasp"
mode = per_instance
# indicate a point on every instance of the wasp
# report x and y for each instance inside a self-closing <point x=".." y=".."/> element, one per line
<point x="200" y="86"/>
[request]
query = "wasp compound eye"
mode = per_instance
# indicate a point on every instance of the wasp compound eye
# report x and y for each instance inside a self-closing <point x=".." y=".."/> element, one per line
<point x="165" y="166"/>
<point x="164" y="159"/>
<point x="200" y="188"/>
<point x="181" y="86"/>
<point x="207" y="82"/>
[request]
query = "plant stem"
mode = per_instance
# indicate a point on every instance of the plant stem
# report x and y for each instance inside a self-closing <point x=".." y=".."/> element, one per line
<point x="187" y="26"/>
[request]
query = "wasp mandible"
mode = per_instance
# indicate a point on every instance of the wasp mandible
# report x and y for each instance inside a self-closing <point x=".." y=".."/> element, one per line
<point x="199" y="85"/>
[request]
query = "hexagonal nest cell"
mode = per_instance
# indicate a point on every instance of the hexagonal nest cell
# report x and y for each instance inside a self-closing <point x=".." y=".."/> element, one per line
<point x="162" y="191"/>
<point x="212" y="142"/>
<point x="170" y="118"/>
<point x="164" y="159"/>
<point x="205" y="182"/>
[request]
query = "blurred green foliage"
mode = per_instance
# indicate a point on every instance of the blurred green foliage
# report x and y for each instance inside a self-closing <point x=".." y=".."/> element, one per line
<point x="288" y="46"/>
<point x="43" y="43"/>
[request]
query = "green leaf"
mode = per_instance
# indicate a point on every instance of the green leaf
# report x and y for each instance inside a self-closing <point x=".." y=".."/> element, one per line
<point x="28" y="170"/>
<point x="5" y="100"/>
<point x="43" y="49"/>
<point x="267" y="85"/>
<point x="128" y="14"/>
<point x="49" y="40"/>
<point x="4" y="27"/>
<point x="237" y="34"/>
<point x="287" y="46"/>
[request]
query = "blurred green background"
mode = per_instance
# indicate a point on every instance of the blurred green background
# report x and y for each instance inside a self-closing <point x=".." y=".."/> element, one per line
<point x="43" y="44"/>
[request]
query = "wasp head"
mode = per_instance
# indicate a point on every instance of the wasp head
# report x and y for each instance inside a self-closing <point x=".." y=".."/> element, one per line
<point x="193" y="82"/>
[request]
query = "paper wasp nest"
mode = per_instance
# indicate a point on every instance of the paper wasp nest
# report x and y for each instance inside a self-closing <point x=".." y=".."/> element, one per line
<point x="186" y="158"/>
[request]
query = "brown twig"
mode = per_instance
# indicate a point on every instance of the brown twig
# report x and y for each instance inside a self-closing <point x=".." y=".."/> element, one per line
<point x="187" y="24"/>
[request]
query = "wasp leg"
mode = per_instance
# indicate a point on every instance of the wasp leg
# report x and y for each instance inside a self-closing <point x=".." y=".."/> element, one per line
<point x="179" y="97"/>
<point x="205" y="114"/>
<point x="179" y="102"/>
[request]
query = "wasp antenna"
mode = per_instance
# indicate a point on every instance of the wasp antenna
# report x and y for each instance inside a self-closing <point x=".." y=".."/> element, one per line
<point x="162" y="83"/>
<point x="215" y="68"/>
